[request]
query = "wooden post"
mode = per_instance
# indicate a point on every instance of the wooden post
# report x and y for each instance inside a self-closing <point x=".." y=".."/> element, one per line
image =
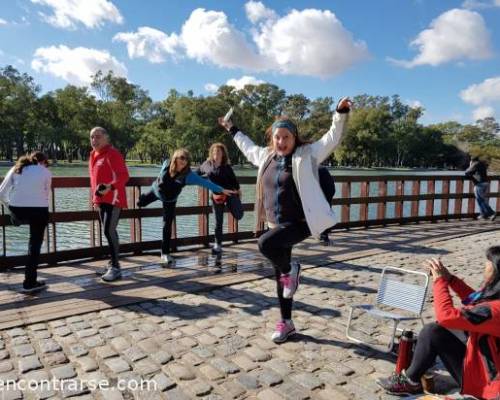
<point x="459" y="190"/>
<point x="445" y="202"/>
<point x="415" y="191"/>
<point x="346" y="208"/>
<point x="203" y="218"/>
<point x="232" y="225"/>
<point x="363" y="208"/>
<point x="382" y="206"/>
<point x="431" y="189"/>
<point x="471" y="202"/>
<point x="400" y="188"/>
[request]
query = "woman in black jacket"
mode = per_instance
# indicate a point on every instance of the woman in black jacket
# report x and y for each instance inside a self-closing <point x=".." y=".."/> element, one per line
<point x="218" y="169"/>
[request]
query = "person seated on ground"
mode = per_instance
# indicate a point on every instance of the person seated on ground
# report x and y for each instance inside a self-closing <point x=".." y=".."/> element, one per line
<point x="475" y="365"/>
<point x="173" y="176"/>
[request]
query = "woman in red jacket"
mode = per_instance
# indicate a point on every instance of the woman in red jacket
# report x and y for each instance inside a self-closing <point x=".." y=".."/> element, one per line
<point x="475" y="366"/>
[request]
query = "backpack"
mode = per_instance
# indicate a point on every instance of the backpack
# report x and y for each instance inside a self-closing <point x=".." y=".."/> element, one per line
<point x="327" y="184"/>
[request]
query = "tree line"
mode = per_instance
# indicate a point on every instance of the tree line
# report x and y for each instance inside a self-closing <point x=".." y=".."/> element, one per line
<point x="382" y="132"/>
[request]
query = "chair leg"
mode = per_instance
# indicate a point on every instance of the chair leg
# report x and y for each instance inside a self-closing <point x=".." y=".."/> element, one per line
<point x="391" y="342"/>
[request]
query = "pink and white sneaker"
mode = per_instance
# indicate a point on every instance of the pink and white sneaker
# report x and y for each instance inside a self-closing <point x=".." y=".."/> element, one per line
<point x="290" y="281"/>
<point x="283" y="331"/>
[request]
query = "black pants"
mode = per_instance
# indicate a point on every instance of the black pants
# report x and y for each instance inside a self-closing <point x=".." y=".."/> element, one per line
<point x="276" y="245"/>
<point x="234" y="206"/>
<point x="168" y="218"/>
<point x="433" y="341"/>
<point x="110" y="215"/>
<point x="37" y="218"/>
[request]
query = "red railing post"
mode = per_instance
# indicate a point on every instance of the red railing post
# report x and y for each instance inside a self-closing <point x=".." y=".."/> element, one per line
<point x="415" y="191"/>
<point x="459" y="190"/>
<point x="445" y="201"/>
<point x="346" y="208"/>
<point x="471" y="202"/>
<point x="363" y="208"/>
<point x="431" y="190"/>
<point x="400" y="187"/>
<point x="382" y="206"/>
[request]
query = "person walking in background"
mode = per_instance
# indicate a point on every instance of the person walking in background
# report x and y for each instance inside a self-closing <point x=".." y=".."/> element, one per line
<point x="108" y="177"/>
<point x="287" y="198"/>
<point x="25" y="193"/>
<point x="167" y="187"/>
<point x="478" y="173"/>
<point x="218" y="169"/>
<point x="473" y="365"/>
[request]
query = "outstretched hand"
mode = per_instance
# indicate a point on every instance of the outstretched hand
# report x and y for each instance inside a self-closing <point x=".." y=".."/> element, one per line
<point x="229" y="192"/>
<point x="227" y="125"/>
<point x="344" y="104"/>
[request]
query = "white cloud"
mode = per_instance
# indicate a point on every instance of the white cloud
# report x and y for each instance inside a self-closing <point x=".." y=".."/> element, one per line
<point x="208" y="37"/>
<point x="76" y="65"/>
<point x="487" y="91"/>
<point x="257" y="11"/>
<point x="211" y="87"/>
<point x="239" y="84"/>
<point x="455" y="35"/>
<point x="3" y="22"/>
<point x="483" y="112"/>
<point x="91" y="13"/>
<point x="475" y="4"/>
<point x="414" y="103"/>
<point x="309" y="42"/>
<point x="150" y="43"/>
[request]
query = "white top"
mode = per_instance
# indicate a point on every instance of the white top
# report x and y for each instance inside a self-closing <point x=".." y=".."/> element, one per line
<point x="31" y="188"/>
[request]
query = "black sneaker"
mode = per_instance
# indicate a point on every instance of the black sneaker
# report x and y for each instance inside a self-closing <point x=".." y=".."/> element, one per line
<point x="400" y="385"/>
<point x="39" y="285"/>
<point x="141" y="202"/>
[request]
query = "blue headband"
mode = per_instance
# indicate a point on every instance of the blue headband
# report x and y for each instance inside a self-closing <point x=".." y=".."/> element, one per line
<point x="285" y="123"/>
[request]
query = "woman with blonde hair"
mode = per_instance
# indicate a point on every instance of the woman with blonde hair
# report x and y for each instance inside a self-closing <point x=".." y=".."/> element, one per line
<point x="173" y="176"/>
<point x="25" y="192"/>
<point x="218" y="169"/>
<point x="288" y="198"/>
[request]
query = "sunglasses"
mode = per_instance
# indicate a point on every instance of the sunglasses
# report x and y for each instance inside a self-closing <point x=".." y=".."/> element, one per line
<point x="183" y="158"/>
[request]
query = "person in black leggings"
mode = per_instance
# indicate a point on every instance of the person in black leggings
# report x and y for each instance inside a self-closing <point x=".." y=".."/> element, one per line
<point x="287" y="198"/>
<point x="474" y="366"/>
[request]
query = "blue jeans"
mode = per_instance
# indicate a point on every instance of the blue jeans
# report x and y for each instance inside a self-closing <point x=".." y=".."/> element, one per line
<point x="480" y="191"/>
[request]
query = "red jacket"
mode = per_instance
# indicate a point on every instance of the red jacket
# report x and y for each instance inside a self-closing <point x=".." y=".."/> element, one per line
<point x="108" y="166"/>
<point x="481" y="369"/>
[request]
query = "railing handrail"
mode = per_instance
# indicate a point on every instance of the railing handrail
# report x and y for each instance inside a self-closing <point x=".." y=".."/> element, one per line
<point x="202" y="210"/>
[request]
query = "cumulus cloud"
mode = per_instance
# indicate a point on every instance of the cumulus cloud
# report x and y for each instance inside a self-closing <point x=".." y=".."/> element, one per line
<point x="309" y="42"/>
<point x="487" y="91"/>
<point x="240" y="83"/>
<point x="211" y="87"/>
<point x="149" y="43"/>
<point x="76" y="65"/>
<point x="3" y="22"/>
<point x="475" y="4"/>
<point x="257" y="11"/>
<point x="91" y="13"/>
<point x="455" y="35"/>
<point x="483" y="112"/>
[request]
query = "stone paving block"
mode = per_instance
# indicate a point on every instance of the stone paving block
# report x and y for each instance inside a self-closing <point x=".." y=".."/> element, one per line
<point x="329" y="378"/>
<point x="292" y="391"/>
<point x="245" y="363"/>
<point x="256" y="354"/>
<point x="86" y="364"/>
<point x="360" y="366"/>
<point x="149" y="345"/>
<point x="226" y="367"/>
<point x="23" y="350"/>
<point x="163" y="382"/>
<point x="29" y="363"/>
<point x="6" y="366"/>
<point x="179" y="371"/>
<point x="162" y="357"/>
<point x="177" y="394"/>
<point x="4" y="354"/>
<point x="203" y="352"/>
<point x="248" y="381"/>
<point x="191" y="359"/>
<point x="12" y="394"/>
<point x="42" y="334"/>
<point x="19" y="340"/>
<point x="146" y="367"/>
<point x="57" y="358"/>
<point x="93" y="341"/>
<point x="206" y="340"/>
<point x="104" y="352"/>
<point x="307" y="380"/>
<point x="117" y="365"/>
<point x="268" y="377"/>
<point x="211" y="373"/>
<point x="200" y="388"/>
<point x="64" y="372"/>
<point x="269" y="394"/>
<point x="120" y="343"/>
<point x="49" y="346"/>
<point x="133" y="354"/>
<point x="62" y="331"/>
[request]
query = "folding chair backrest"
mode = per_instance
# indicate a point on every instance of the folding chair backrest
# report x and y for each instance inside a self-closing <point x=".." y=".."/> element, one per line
<point x="403" y="295"/>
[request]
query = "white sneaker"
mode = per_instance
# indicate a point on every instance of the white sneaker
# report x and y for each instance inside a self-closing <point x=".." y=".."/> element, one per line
<point x="290" y="281"/>
<point x="283" y="331"/>
<point x="167" y="259"/>
<point x="493" y="217"/>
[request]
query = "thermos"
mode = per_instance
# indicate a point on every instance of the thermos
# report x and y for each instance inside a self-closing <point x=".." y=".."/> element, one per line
<point x="405" y="351"/>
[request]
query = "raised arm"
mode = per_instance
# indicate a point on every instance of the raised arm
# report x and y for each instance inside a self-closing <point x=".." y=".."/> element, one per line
<point x="323" y="147"/>
<point x="194" y="179"/>
<point x="254" y="154"/>
<point x="6" y="186"/>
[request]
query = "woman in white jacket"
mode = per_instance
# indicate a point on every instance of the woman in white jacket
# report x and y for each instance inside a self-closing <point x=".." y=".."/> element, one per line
<point x="289" y="198"/>
<point x="25" y="192"/>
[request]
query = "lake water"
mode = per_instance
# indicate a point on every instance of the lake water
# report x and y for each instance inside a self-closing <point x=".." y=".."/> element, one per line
<point x="75" y="235"/>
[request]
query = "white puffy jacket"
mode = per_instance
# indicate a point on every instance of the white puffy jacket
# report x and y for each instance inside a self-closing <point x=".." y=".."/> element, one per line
<point x="305" y="162"/>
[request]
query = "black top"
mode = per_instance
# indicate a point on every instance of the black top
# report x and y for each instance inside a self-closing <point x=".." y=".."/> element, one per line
<point x="477" y="172"/>
<point x="281" y="198"/>
<point x="222" y="175"/>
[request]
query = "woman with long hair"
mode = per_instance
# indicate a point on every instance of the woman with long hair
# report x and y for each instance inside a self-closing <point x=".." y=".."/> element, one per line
<point x="217" y="168"/>
<point x="287" y="198"/>
<point x="474" y="365"/>
<point x="173" y="176"/>
<point x="25" y="193"/>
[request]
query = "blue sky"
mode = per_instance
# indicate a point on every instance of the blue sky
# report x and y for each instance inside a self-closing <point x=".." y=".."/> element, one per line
<point x="318" y="48"/>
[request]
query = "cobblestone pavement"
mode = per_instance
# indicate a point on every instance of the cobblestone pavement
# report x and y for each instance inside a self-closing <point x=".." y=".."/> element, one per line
<point x="215" y="345"/>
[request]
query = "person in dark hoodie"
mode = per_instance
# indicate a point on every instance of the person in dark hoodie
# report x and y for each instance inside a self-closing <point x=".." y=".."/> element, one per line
<point x="173" y="176"/>
<point x="478" y="173"/>
<point x="218" y="169"/>
<point x="475" y="366"/>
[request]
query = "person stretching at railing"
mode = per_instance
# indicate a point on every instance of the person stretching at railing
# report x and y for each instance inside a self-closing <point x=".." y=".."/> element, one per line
<point x="108" y="177"/>
<point x="25" y="192"/>
<point x="218" y="169"/>
<point x="173" y="176"/>
<point x="475" y="366"/>
<point x="289" y="198"/>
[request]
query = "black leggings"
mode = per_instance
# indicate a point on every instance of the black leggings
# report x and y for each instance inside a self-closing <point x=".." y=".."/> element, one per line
<point x="433" y="341"/>
<point x="37" y="218"/>
<point x="233" y="204"/>
<point x="276" y="245"/>
<point x="110" y="215"/>
<point x="168" y="218"/>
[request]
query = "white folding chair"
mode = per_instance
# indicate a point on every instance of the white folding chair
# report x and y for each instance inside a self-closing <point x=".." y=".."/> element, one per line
<point x="405" y="299"/>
